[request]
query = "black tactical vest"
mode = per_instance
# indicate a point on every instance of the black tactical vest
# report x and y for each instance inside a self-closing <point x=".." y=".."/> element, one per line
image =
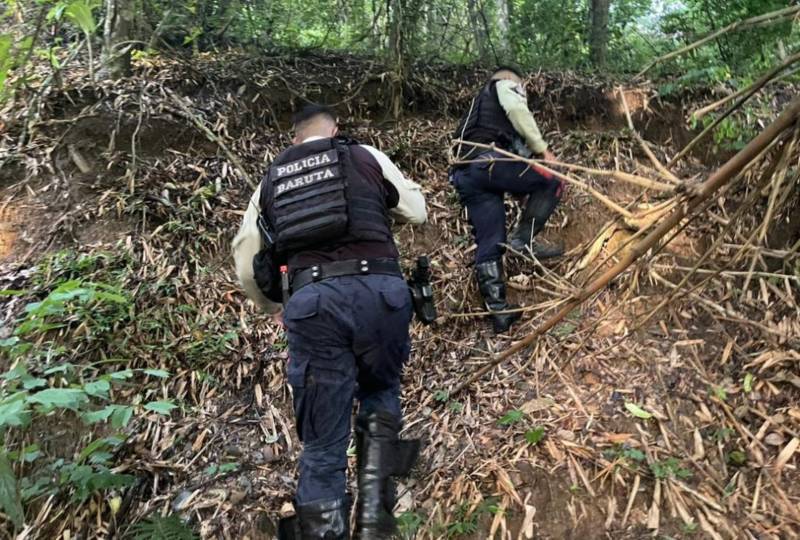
<point x="314" y="198"/>
<point x="486" y="122"/>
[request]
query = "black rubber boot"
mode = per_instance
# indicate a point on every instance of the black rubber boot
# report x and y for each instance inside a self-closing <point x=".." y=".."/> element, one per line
<point x="326" y="520"/>
<point x="380" y="455"/>
<point x="493" y="289"/>
<point x="537" y="211"/>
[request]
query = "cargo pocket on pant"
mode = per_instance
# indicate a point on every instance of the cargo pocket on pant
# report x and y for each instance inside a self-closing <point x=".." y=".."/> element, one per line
<point x="302" y="306"/>
<point x="396" y="299"/>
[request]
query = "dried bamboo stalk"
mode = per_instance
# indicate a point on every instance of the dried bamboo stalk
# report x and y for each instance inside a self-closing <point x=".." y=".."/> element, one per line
<point x="663" y="171"/>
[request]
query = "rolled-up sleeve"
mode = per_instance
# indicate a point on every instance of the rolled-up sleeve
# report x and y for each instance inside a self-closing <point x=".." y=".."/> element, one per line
<point x="514" y="102"/>
<point x="244" y="247"/>
<point x="411" y="207"/>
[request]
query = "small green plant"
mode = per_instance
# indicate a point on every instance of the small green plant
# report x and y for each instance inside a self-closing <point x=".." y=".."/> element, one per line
<point x="211" y="470"/>
<point x="719" y="393"/>
<point x="534" y="436"/>
<point x="564" y="329"/>
<point x="441" y="396"/>
<point x="670" y="468"/>
<point x="722" y="434"/>
<point x="737" y="458"/>
<point x="511" y="418"/>
<point x="463" y="522"/>
<point x="408" y="524"/>
<point x="162" y="528"/>
<point x="455" y="406"/>
<point x="689" y="527"/>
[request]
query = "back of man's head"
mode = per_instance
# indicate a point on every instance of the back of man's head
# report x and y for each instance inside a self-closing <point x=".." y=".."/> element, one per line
<point x="507" y="72"/>
<point x="314" y="120"/>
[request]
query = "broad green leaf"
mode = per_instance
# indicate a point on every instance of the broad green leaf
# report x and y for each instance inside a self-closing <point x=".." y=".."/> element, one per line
<point x="31" y="383"/>
<point x="160" y="407"/>
<point x="8" y="342"/>
<point x="122" y="375"/>
<point x="121" y="416"/>
<point x="637" y="411"/>
<point x="80" y="13"/>
<point x="10" y="500"/>
<point x="98" y="416"/>
<point x="157" y="373"/>
<point x="66" y="398"/>
<point x="29" y="454"/>
<point x="97" y="388"/>
<point x="63" y="368"/>
<point x="93" y="447"/>
<point x="14" y="413"/>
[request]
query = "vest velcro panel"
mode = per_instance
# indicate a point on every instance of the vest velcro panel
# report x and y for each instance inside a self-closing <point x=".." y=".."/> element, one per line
<point x="310" y="202"/>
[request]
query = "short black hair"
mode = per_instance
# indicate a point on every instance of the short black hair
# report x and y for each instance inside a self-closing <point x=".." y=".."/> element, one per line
<point x="309" y="112"/>
<point x="508" y="67"/>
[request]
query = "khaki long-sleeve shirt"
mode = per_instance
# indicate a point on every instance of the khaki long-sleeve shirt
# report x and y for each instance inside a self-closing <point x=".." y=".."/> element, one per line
<point x="514" y="102"/>
<point x="247" y="243"/>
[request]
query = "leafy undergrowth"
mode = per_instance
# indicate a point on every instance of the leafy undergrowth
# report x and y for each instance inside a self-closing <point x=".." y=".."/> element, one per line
<point x="142" y="397"/>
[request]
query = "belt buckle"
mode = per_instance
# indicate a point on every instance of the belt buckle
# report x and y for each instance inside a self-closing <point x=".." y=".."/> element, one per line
<point x="364" y="266"/>
<point x="316" y="273"/>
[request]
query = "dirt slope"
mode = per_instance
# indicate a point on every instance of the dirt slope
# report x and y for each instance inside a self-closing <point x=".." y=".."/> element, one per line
<point x="117" y="184"/>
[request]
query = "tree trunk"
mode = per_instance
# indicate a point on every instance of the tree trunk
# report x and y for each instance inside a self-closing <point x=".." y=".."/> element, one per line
<point x="477" y="30"/>
<point x="503" y="26"/>
<point x="397" y="55"/>
<point x="117" y="32"/>
<point x="598" y="36"/>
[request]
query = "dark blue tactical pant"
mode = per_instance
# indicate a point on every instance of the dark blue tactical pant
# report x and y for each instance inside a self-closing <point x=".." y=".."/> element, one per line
<point x="348" y="337"/>
<point x="481" y="187"/>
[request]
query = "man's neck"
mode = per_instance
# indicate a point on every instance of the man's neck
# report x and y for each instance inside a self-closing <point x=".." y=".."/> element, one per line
<point x="312" y="138"/>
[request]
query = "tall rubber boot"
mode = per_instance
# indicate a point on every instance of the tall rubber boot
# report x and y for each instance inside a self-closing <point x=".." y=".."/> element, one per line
<point x="380" y="455"/>
<point x="493" y="289"/>
<point x="537" y="211"/>
<point x="326" y="520"/>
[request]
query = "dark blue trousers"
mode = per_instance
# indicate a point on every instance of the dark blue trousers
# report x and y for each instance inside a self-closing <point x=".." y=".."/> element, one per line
<point x="348" y="338"/>
<point x="481" y="187"/>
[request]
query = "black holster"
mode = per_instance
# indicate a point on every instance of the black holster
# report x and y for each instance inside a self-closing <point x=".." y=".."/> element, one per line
<point x="381" y="455"/>
<point x="422" y="291"/>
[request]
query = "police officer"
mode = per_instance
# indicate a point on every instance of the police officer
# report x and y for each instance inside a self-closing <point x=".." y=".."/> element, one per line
<point x="323" y="210"/>
<point x="499" y="115"/>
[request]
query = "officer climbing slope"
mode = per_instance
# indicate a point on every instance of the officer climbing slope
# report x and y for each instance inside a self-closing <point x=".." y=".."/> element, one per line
<point x="322" y="212"/>
<point x="499" y="116"/>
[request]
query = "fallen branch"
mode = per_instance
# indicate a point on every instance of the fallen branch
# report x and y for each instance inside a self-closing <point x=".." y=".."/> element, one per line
<point x="767" y="18"/>
<point x="663" y="171"/>
<point x="213" y="137"/>
<point x="698" y="195"/>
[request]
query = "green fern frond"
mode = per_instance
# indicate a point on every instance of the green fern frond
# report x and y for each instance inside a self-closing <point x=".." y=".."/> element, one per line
<point x="162" y="528"/>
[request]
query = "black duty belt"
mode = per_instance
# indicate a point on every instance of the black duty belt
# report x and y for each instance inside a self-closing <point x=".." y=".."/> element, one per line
<point x="352" y="267"/>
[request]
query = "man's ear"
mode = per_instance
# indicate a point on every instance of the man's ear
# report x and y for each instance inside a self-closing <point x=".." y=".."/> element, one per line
<point x="295" y="140"/>
<point x="335" y="131"/>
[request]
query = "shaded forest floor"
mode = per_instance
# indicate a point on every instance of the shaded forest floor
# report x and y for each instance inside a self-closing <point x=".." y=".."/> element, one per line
<point x="116" y="183"/>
